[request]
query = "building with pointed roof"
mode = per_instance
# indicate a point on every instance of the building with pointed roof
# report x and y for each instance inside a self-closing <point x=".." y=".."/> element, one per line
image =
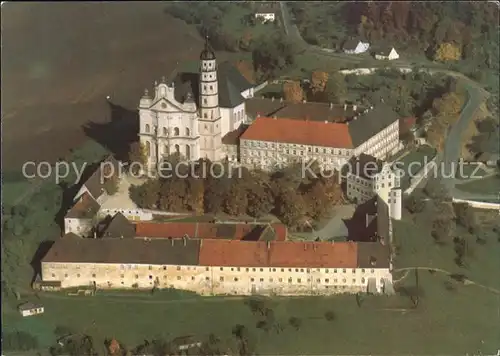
<point x="191" y="113"/>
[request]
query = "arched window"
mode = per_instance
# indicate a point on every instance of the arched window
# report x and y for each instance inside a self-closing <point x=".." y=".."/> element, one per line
<point x="187" y="132"/>
<point x="205" y="115"/>
<point x="147" y="128"/>
<point x="176" y="131"/>
<point x="177" y="150"/>
<point x="166" y="150"/>
<point x="188" y="152"/>
<point x="148" y="149"/>
<point x="204" y="101"/>
<point x="165" y="132"/>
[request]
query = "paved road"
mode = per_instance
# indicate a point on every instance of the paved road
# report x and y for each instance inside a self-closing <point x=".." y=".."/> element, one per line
<point x="451" y="153"/>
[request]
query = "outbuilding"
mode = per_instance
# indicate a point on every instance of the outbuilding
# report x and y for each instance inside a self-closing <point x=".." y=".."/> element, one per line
<point x="29" y="309"/>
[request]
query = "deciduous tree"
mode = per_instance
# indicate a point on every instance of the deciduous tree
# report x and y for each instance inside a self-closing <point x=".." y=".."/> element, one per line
<point x="447" y="52"/>
<point x="293" y="92"/>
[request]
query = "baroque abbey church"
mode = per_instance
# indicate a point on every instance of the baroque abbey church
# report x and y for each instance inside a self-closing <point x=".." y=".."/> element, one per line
<point x="191" y="113"/>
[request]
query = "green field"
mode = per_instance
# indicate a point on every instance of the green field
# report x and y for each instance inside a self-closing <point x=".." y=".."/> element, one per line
<point x="488" y="185"/>
<point x="413" y="162"/>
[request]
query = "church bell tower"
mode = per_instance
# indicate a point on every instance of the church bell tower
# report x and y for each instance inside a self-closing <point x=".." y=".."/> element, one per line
<point x="210" y="118"/>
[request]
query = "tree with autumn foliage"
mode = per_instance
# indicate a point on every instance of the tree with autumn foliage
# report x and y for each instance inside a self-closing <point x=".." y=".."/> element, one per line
<point x="291" y="208"/>
<point x="318" y="81"/>
<point x="316" y="199"/>
<point x="137" y="153"/>
<point x="448" y="52"/>
<point x="114" y="348"/>
<point x="293" y="92"/>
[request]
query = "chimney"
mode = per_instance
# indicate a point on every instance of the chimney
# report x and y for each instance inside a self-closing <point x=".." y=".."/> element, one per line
<point x="95" y="235"/>
<point x="371" y="107"/>
<point x="345" y="107"/>
<point x="272" y="99"/>
<point x="268" y="245"/>
<point x="281" y="99"/>
<point x="275" y="117"/>
<point x="258" y="114"/>
<point x="304" y="101"/>
<point x="184" y="240"/>
<point x="326" y="121"/>
<point x="305" y="246"/>
<point x="331" y="106"/>
<point x="172" y="241"/>
<point x="355" y="117"/>
<point x="354" y="107"/>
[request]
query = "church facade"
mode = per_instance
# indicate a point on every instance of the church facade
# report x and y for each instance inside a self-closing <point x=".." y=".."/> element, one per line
<point x="190" y="114"/>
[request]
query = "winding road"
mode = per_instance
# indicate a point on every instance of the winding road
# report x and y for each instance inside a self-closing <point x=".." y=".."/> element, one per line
<point x="450" y="156"/>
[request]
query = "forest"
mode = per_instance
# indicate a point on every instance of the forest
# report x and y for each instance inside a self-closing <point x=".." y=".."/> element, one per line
<point x="442" y="30"/>
<point x="293" y="198"/>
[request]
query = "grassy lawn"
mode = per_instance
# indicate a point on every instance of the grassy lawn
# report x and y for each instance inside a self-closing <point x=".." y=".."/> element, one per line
<point x="413" y="162"/>
<point x="488" y="185"/>
<point x="470" y="171"/>
<point x="354" y="331"/>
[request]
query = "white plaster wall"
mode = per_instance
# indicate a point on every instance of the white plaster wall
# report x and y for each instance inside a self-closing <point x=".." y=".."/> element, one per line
<point x="80" y="227"/>
<point x="263" y="154"/>
<point x="216" y="280"/>
<point x="130" y="214"/>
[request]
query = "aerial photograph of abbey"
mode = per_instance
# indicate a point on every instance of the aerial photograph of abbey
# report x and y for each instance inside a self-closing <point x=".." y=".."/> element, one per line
<point x="250" y="178"/>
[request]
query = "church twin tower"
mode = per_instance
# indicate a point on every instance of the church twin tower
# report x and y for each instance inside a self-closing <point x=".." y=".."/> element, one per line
<point x="210" y="121"/>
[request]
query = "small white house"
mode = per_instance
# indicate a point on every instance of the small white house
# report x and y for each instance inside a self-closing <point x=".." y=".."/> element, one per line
<point x="265" y="11"/>
<point x="388" y="53"/>
<point x="354" y="46"/>
<point x="29" y="309"/>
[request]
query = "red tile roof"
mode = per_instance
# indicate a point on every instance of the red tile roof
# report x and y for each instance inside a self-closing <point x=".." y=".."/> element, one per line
<point x="278" y="254"/>
<point x="299" y="132"/>
<point x="313" y="254"/>
<point x="204" y="230"/>
<point x="233" y="253"/>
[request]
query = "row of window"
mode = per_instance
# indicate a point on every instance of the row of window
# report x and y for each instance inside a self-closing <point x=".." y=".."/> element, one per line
<point x="166" y="150"/>
<point x="166" y="131"/>
<point x="273" y="145"/>
<point x="251" y="279"/>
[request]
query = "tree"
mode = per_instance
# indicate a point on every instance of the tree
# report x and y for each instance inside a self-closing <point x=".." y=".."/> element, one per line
<point x="293" y="92"/>
<point x="442" y="230"/>
<point x="317" y="199"/>
<point x="137" y="153"/>
<point x="295" y="322"/>
<point x="318" y="81"/>
<point x="236" y="201"/>
<point x="290" y="208"/>
<point x="113" y="347"/>
<point x="273" y="54"/>
<point x="466" y="216"/>
<point x="436" y="190"/>
<point x="146" y="195"/>
<point x="330" y="315"/>
<point x="173" y="194"/>
<point x="415" y="203"/>
<point x="260" y="200"/>
<point x="447" y="52"/>
<point x="245" y="42"/>
<point x="335" y="88"/>
<point x="196" y="194"/>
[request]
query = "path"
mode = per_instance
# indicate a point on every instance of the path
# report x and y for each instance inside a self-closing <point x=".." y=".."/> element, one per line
<point x="466" y="281"/>
<point x="451" y="154"/>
